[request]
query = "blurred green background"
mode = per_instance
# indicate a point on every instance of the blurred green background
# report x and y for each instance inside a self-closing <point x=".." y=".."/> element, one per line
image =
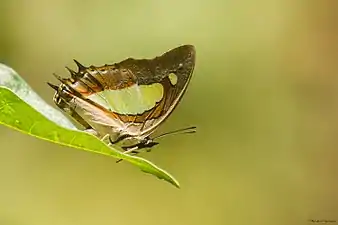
<point x="264" y="98"/>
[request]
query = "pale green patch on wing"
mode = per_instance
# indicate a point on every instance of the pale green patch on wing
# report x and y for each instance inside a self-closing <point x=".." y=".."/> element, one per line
<point x="173" y="78"/>
<point x="134" y="100"/>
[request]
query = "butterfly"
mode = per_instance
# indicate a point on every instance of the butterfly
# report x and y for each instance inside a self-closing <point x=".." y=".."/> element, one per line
<point x="127" y="101"/>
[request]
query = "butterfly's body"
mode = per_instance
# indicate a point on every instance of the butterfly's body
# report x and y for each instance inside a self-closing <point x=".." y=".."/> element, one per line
<point x="128" y="100"/>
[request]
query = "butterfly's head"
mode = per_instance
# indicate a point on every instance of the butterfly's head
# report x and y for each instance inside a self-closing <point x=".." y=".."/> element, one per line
<point x="148" y="143"/>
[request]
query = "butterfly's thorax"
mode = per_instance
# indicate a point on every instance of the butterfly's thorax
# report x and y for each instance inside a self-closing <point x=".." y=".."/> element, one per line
<point x="130" y="98"/>
<point x="129" y="141"/>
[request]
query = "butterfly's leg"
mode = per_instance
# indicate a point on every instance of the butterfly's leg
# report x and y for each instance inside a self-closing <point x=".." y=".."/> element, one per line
<point x="132" y="150"/>
<point x="105" y="137"/>
<point x="127" y="150"/>
<point x="135" y="149"/>
<point x="148" y="144"/>
<point x="93" y="132"/>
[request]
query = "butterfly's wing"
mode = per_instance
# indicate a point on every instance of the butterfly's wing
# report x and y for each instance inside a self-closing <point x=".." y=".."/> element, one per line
<point x="133" y="96"/>
<point x="171" y="72"/>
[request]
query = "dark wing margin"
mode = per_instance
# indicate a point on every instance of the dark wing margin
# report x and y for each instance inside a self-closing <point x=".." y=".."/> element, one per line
<point x="180" y="61"/>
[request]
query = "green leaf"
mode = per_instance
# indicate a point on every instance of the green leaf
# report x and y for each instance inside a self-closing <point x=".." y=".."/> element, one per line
<point x="23" y="110"/>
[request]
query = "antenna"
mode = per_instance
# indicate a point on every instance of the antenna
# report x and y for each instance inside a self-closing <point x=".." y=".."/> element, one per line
<point x="187" y="130"/>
